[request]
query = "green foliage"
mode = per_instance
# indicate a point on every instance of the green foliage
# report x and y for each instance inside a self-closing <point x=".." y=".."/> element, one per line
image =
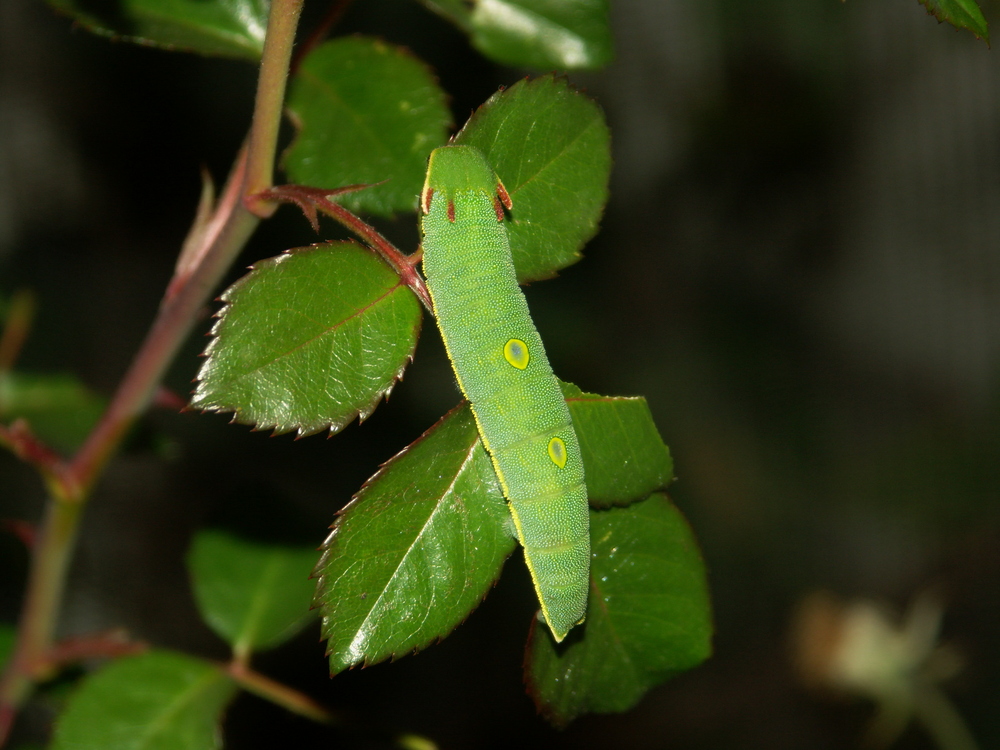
<point x="156" y="701"/>
<point x="416" y="550"/>
<point x="551" y="148"/>
<point x="422" y="543"/>
<point x="255" y="596"/>
<point x="351" y="131"/>
<point x="232" y="28"/>
<point x="962" y="14"/>
<point x="622" y="450"/>
<point x="340" y="340"/>
<point x="541" y="34"/>
<point x="59" y="409"/>
<point x="648" y="616"/>
<point x="309" y="340"/>
<point x="315" y="337"/>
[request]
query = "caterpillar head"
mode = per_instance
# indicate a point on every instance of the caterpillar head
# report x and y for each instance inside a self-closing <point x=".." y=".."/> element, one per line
<point x="452" y="170"/>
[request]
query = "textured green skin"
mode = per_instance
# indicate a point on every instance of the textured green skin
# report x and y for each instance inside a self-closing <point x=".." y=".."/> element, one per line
<point x="479" y="307"/>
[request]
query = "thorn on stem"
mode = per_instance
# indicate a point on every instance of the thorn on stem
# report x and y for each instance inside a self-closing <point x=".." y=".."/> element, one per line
<point x="311" y="200"/>
<point x="164" y="398"/>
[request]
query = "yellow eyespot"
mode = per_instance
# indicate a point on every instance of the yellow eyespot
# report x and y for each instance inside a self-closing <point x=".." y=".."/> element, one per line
<point x="516" y="353"/>
<point x="557" y="452"/>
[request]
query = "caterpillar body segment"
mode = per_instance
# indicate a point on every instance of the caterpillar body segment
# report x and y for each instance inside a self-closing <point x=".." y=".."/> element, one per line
<point x="501" y="367"/>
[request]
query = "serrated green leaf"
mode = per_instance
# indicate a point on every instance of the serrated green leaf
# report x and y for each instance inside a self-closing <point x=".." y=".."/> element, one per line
<point x="542" y="34"/>
<point x="416" y="550"/>
<point x="309" y="340"/>
<point x="648" y="617"/>
<point x="368" y="112"/>
<point x="59" y="409"/>
<point x="551" y="148"/>
<point x="623" y="455"/>
<point x="228" y="28"/>
<point x="962" y="14"/>
<point x="439" y="506"/>
<point x="254" y="595"/>
<point x="159" y="700"/>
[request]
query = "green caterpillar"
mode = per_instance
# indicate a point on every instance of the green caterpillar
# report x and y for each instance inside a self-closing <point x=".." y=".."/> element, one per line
<point x="502" y="369"/>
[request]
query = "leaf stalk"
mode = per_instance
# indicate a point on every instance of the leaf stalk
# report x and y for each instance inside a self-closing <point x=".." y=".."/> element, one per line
<point x="278" y="693"/>
<point x="311" y="199"/>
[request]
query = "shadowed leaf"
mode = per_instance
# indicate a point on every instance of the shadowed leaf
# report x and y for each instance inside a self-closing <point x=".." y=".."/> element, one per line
<point x="648" y="617"/>
<point x="8" y="635"/>
<point x="156" y="701"/>
<point x="59" y="409"/>
<point x="254" y="595"/>
<point x="623" y="455"/>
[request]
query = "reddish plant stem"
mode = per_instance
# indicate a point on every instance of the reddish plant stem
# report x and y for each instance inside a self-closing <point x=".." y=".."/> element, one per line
<point x="169" y="331"/>
<point x="69" y="489"/>
<point x="22" y="442"/>
<point x="109" y="645"/>
<point x="214" y="245"/>
<point x="23" y="530"/>
<point x="400" y="262"/>
<point x="309" y="199"/>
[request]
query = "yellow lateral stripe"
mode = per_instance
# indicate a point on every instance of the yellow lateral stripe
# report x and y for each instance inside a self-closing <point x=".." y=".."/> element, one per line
<point x="534" y="577"/>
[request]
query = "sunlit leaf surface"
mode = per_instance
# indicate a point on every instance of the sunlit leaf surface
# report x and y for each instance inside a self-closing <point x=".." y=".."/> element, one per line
<point x="309" y="340"/>
<point x="231" y="28"/>
<point x="540" y="34"/>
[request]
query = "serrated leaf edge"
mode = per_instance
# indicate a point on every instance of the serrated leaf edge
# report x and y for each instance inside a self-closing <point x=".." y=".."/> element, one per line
<point x="942" y="16"/>
<point x="333" y="427"/>
<point x="331" y="539"/>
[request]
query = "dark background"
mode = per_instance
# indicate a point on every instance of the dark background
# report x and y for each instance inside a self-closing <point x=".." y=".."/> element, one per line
<point x="799" y="268"/>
